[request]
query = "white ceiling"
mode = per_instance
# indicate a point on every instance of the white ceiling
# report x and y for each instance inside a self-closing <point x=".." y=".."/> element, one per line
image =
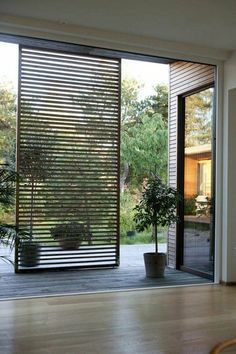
<point x="210" y="23"/>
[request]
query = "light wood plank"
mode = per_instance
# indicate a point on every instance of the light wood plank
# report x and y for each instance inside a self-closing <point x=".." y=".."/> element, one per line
<point x="187" y="320"/>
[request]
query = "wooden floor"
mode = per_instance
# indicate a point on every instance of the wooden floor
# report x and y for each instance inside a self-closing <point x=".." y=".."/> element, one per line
<point x="186" y="320"/>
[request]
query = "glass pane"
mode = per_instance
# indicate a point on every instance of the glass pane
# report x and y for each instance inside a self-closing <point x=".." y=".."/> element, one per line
<point x="198" y="235"/>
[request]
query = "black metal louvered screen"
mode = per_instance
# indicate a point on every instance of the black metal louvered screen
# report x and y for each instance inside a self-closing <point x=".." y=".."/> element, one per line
<point x="68" y="160"/>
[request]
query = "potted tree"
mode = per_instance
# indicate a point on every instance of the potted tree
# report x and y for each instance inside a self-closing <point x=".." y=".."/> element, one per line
<point x="70" y="235"/>
<point x="34" y="168"/>
<point x="156" y="207"/>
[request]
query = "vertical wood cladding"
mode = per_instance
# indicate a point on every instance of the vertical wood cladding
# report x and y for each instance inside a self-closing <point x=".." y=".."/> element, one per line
<point x="184" y="77"/>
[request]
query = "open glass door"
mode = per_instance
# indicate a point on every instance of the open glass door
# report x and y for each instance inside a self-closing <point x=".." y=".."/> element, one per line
<point x="198" y="188"/>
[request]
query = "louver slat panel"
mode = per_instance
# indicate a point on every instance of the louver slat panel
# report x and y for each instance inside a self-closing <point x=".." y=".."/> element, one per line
<point x="68" y="160"/>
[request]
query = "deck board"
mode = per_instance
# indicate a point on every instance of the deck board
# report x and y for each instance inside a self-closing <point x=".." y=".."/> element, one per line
<point x="130" y="275"/>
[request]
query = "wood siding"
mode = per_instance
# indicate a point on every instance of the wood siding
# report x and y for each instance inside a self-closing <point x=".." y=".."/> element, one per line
<point x="184" y="77"/>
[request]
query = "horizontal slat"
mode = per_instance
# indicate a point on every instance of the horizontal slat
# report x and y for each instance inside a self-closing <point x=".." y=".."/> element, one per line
<point x="53" y="89"/>
<point x="68" y="107"/>
<point x="77" y="68"/>
<point x="52" y="83"/>
<point x="70" y="117"/>
<point x="67" y="58"/>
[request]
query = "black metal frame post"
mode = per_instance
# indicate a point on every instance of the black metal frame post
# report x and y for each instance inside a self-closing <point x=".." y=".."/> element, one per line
<point x="180" y="179"/>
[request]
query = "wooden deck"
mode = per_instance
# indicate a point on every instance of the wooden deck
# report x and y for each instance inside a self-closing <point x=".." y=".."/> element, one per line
<point x="130" y="275"/>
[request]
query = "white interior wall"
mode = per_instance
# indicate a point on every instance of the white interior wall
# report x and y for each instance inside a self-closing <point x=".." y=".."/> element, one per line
<point x="229" y="173"/>
<point x="142" y="44"/>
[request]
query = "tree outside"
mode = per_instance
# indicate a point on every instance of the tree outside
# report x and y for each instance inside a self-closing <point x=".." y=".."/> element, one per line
<point x="144" y="149"/>
<point x="7" y="140"/>
<point x="143" y="143"/>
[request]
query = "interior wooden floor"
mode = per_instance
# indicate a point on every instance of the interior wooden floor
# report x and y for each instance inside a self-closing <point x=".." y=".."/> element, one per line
<point x="186" y="320"/>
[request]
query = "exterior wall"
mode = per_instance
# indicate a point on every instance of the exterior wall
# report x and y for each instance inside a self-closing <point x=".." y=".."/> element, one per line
<point x="190" y="176"/>
<point x="184" y="77"/>
<point x="191" y="172"/>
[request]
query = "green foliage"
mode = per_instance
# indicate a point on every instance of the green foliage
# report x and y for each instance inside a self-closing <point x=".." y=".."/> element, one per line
<point x="7" y="124"/>
<point x="157" y="206"/>
<point x="34" y="163"/>
<point x="190" y="205"/>
<point x="144" y="139"/>
<point x="129" y="99"/>
<point x="139" y="238"/>
<point x="144" y="148"/>
<point x="144" y="237"/>
<point x="34" y="169"/>
<point x="127" y="203"/>
<point x="7" y="187"/>
<point x="8" y="230"/>
<point x="144" y="134"/>
<point x="198" y="110"/>
<point x="157" y="103"/>
<point x="7" y="198"/>
<point x="69" y="230"/>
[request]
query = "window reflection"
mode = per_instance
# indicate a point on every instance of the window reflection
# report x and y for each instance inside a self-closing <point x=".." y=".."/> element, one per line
<point x="198" y="243"/>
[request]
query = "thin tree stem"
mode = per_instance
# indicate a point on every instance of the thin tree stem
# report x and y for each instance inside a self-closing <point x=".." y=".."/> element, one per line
<point x="31" y="210"/>
<point x="155" y="236"/>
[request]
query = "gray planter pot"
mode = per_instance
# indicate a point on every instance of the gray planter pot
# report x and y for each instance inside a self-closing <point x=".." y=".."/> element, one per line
<point x="69" y="243"/>
<point x="29" y="254"/>
<point x="155" y="264"/>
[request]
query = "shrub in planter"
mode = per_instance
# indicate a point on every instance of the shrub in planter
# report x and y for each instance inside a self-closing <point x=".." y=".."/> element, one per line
<point x="70" y="235"/>
<point x="156" y="207"/>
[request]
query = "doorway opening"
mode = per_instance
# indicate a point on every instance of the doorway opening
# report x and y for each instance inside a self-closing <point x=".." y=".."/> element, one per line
<point x="196" y="152"/>
<point x="144" y="148"/>
<point x="148" y="144"/>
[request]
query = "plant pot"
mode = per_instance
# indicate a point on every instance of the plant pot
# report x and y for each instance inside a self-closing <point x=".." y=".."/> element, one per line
<point x="29" y="254"/>
<point x="69" y="243"/>
<point x="155" y="264"/>
<point x="131" y="233"/>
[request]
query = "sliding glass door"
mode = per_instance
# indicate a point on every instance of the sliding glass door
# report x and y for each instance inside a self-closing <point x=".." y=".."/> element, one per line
<point x="197" y="182"/>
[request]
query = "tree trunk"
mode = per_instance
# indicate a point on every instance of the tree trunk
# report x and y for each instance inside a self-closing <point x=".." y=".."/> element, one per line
<point x="155" y="237"/>
<point x="123" y="177"/>
<point x="31" y="209"/>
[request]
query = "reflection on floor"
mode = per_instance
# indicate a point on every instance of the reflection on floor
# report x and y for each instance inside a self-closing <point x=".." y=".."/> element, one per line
<point x="129" y="275"/>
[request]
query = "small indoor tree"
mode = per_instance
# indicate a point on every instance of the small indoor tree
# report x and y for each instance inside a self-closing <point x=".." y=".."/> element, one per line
<point x="156" y="207"/>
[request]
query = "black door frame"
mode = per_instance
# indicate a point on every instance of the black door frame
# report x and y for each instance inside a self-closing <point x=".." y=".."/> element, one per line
<point x="180" y="179"/>
<point x="92" y="50"/>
